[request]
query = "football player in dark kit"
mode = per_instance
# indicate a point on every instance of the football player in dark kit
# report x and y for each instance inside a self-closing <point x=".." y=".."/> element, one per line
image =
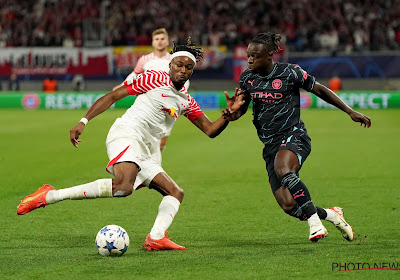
<point x="274" y="90"/>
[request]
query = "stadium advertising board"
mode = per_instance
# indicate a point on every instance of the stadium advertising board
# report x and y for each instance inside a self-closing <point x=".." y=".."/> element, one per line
<point x="208" y="100"/>
<point x="373" y="100"/>
<point x="56" y="61"/>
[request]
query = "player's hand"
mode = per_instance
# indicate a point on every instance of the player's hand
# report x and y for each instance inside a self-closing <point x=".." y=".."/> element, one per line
<point x="230" y="116"/>
<point x="235" y="102"/>
<point x="362" y="119"/>
<point x="75" y="132"/>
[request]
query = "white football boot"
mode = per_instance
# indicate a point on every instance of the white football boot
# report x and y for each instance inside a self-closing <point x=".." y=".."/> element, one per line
<point x="317" y="232"/>
<point x="340" y="223"/>
<point x="317" y="229"/>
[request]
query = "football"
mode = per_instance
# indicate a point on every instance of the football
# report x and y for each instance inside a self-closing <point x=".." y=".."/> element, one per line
<point x="112" y="240"/>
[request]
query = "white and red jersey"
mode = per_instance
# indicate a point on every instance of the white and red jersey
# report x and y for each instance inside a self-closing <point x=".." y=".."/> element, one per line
<point x="152" y="62"/>
<point x="158" y="104"/>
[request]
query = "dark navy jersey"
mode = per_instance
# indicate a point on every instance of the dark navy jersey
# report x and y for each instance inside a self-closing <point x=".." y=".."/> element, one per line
<point x="276" y="99"/>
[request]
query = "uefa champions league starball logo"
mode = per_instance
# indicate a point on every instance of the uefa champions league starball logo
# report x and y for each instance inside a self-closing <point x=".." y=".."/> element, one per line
<point x="31" y="101"/>
<point x="305" y="100"/>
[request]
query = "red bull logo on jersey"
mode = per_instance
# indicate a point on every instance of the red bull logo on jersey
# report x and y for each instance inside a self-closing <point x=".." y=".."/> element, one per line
<point x="267" y="97"/>
<point x="170" y="112"/>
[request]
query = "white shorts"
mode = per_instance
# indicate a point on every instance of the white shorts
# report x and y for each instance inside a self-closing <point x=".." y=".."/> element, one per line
<point x="126" y="144"/>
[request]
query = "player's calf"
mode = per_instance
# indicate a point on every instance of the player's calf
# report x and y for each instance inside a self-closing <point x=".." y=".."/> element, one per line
<point x="122" y="188"/>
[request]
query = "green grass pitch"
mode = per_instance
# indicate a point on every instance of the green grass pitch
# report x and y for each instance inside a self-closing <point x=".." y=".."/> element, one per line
<point x="229" y="221"/>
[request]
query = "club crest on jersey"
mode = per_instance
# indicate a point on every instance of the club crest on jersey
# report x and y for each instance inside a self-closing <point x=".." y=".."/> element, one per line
<point x="170" y="112"/>
<point x="277" y="84"/>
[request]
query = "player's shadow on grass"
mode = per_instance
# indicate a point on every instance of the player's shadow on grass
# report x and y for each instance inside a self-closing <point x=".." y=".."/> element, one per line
<point x="280" y="244"/>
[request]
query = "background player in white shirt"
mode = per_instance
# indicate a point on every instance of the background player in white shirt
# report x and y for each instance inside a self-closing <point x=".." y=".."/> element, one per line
<point x="132" y="139"/>
<point x="158" y="59"/>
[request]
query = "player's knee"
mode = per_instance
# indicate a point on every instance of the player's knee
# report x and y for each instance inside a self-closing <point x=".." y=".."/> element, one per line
<point x="281" y="170"/>
<point x="178" y="193"/>
<point x="122" y="188"/>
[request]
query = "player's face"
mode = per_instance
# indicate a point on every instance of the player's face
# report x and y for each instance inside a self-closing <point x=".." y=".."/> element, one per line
<point x="160" y="42"/>
<point x="181" y="68"/>
<point x="258" y="58"/>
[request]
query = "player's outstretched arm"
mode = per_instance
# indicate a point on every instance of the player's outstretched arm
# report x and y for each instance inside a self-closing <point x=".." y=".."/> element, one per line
<point x="102" y="104"/>
<point x="213" y="129"/>
<point x="329" y="96"/>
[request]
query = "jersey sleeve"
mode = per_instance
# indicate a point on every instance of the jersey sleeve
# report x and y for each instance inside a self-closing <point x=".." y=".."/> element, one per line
<point x="139" y="66"/>
<point x="145" y="82"/>
<point x="193" y="111"/>
<point x="303" y="79"/>
<point x="243" y="82"/>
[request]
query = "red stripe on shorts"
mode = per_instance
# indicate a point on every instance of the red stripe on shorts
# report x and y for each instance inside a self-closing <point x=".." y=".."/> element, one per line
<point x="114" y="160"/>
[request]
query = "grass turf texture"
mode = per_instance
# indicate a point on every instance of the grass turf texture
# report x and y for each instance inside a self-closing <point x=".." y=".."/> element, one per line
<point x="229" y="221"/>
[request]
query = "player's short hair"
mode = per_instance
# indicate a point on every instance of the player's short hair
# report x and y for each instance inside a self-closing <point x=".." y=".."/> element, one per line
<point x="189" y="47"/>
<point x="268" y="38"/>
<point x="159" y="31"/>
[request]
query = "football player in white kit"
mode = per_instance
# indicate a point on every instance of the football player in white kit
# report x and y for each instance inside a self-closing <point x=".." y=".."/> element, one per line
<point x="132" y="139"/>
<point x="158" y="59"/>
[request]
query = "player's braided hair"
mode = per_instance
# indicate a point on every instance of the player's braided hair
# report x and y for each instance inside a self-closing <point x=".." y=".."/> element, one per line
<point x="189" y="47"/>
<point x="268" y="38"/>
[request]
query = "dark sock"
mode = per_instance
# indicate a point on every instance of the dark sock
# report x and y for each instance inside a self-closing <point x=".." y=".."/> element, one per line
<point x="299" y="192"/>
<point x="321" y="213"/>
<point x="297" y="213"/>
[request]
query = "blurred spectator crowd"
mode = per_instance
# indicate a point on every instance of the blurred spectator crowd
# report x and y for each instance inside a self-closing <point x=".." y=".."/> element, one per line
<point x="306" y="25"/>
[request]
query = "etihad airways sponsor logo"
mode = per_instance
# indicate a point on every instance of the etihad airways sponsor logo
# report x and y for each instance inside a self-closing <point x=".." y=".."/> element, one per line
<point x="268" y="97"/>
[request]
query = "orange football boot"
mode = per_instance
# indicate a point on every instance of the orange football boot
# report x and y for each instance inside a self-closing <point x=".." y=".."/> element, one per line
<point x="161" y="244"/>
<point x="35" y="200"/>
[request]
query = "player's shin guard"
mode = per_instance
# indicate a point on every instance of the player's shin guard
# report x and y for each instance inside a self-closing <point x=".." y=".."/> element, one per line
<point x="96" y="189"/>
<point x="167" y="210"/>
<point x="299" y="192"/>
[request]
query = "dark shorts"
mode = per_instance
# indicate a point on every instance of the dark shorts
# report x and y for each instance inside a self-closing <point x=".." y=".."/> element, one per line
<point x="295" y="140"/>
